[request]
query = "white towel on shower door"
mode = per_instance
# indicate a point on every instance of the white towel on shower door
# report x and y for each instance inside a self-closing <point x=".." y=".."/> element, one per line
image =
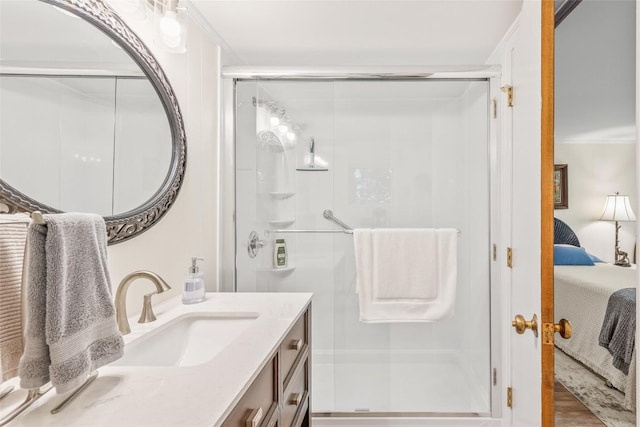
<point x="406" y="275"/>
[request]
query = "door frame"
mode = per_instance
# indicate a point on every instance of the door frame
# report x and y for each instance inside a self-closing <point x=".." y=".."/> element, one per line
<point x="546" y="206"/>
<point x="547" y="212"/>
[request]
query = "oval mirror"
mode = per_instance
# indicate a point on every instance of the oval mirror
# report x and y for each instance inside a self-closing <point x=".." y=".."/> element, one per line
<point x="88" y="120"/>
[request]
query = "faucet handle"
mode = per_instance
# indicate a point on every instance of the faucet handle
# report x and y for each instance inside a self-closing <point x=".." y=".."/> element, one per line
<point x="147" y="315"/>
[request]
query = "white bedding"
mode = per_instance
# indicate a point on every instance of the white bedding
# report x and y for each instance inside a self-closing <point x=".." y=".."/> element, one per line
<point x="581" y="296"/>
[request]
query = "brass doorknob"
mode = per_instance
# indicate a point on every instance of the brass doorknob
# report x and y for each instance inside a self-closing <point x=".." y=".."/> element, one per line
<point x="522" y="325"/>
<point x="563" y="327"/>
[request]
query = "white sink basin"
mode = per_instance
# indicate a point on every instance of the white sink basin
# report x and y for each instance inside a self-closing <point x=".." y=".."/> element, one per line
<point x="187" y="340"/>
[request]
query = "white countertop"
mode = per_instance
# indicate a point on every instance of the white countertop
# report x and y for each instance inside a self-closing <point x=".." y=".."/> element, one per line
<point x="200" y="395"/>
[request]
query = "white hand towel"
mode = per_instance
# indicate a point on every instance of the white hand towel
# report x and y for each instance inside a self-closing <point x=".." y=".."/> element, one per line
<point x="404" y="264"/>
<point x="71" y="328"/>
<point x="406" y="275"/>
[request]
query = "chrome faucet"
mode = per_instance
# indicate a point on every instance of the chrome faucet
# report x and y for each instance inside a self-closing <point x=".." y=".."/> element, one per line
<point x="121" y="299"/>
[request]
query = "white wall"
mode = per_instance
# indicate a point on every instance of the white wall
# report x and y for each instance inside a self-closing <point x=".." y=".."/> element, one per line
<point x="595" y="171"/>
<point x="595" y="73"/>
<point x="189" y="228"/>
<point x="595" y="128"/>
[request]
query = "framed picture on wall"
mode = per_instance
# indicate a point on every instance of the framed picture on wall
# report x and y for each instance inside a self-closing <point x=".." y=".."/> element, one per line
<point x="560" y="187"/>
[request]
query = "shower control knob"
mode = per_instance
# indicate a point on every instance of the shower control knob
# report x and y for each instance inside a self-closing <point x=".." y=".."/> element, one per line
<point x="254" y="245"/>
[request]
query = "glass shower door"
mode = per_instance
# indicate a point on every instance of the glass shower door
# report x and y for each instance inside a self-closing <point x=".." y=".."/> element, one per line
<point x="379" y="154"/>
<point x="413" y="154"/>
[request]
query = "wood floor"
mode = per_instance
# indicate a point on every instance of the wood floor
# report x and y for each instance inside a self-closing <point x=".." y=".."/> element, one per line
<point x="570" y="412"/>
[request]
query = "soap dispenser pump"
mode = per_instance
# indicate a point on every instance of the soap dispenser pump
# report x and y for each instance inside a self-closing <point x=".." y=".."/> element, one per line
<point x="193" y="291"/>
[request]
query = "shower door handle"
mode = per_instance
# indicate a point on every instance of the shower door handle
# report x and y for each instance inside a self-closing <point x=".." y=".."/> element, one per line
<point x="522" y="325"/>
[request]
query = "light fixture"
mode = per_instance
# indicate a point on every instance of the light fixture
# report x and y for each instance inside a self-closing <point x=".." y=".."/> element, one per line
<point x="618" y="208"/>
<point x="170" y="26"/>
<point x="283" y="128"/>
<point x="134" y="8"/>
<point x="291" y="136"/>
<point x="277" y="115"/>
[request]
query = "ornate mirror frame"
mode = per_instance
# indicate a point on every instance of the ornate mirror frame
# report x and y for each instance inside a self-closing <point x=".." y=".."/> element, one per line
<point x="130" y="224"/>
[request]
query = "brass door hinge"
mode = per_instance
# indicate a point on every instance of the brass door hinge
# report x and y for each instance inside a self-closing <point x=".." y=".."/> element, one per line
<point x="495" y="252"/>
<point x="509" y="90"/>
<point x="509" y="257"/>
<point x="494" y="107"/>
<point x="509" y="397"/>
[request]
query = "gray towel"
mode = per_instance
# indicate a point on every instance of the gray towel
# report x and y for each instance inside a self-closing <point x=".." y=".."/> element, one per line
<point x="71" y="327"/>
<point x="619" y="328"/>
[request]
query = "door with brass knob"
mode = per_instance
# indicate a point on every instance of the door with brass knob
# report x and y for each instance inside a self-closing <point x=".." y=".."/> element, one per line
<point x="521" y="324"/>
<point x="563" y="327"/>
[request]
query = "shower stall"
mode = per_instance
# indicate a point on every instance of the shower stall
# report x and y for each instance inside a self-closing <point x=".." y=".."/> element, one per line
<point x="306" y="160"/>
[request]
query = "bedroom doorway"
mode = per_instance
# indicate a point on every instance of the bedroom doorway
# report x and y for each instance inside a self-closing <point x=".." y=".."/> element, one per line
<point x="593" y="158"/>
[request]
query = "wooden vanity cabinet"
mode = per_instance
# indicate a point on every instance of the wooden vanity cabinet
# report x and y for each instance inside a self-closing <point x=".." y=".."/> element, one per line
<point x="294" y="378"/>
<point x="295" y="400"/>
<point x="259" y="402"/>
<point x="280" y="394"/>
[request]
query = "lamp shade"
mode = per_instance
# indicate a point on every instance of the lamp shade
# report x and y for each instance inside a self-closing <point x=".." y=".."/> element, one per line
<point x="617" y="208"/>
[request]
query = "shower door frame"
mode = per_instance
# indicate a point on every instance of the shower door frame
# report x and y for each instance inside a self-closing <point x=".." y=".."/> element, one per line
<point x="228" y="239"/>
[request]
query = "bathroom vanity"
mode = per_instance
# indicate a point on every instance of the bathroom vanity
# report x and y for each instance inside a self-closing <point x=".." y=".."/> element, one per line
<point x="236" y="359"/>
<point x="279" y="396"/>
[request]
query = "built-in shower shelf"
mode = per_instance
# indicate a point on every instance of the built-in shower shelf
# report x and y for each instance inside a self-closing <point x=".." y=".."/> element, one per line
<point x="312" y="169"/>
<point x="280" y="195"/>
<point x="286" y="269"/>
<point x="282" y="222"/>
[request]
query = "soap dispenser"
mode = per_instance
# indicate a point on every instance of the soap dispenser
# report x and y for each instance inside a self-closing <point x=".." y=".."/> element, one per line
<point x="193" y="285"/>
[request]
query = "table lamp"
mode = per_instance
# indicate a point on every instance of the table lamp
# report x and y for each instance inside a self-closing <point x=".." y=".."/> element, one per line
<point x="618" y="208"/>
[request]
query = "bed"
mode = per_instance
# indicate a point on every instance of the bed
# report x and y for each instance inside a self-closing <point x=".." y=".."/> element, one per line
<point x="581" y="295"/>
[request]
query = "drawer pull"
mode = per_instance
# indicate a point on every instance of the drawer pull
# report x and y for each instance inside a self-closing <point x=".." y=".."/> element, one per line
<point x="295" y="399"/>
<point x="254" y="418"/>
<point x="296" y="344"/>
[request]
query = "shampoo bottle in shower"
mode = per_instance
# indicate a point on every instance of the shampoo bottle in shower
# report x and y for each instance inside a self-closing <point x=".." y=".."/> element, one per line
<point x="193" y="291"/>
<point x="280" y="254"/>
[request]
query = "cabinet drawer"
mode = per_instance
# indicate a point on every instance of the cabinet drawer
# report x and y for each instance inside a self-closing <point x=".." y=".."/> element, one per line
<point x="292" y="346"/>
<point x="259" y="401"/>
<point x="295" y="396"/>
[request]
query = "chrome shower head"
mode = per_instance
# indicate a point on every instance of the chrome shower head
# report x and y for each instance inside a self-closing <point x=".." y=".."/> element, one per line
<point x="311" y="165"/>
